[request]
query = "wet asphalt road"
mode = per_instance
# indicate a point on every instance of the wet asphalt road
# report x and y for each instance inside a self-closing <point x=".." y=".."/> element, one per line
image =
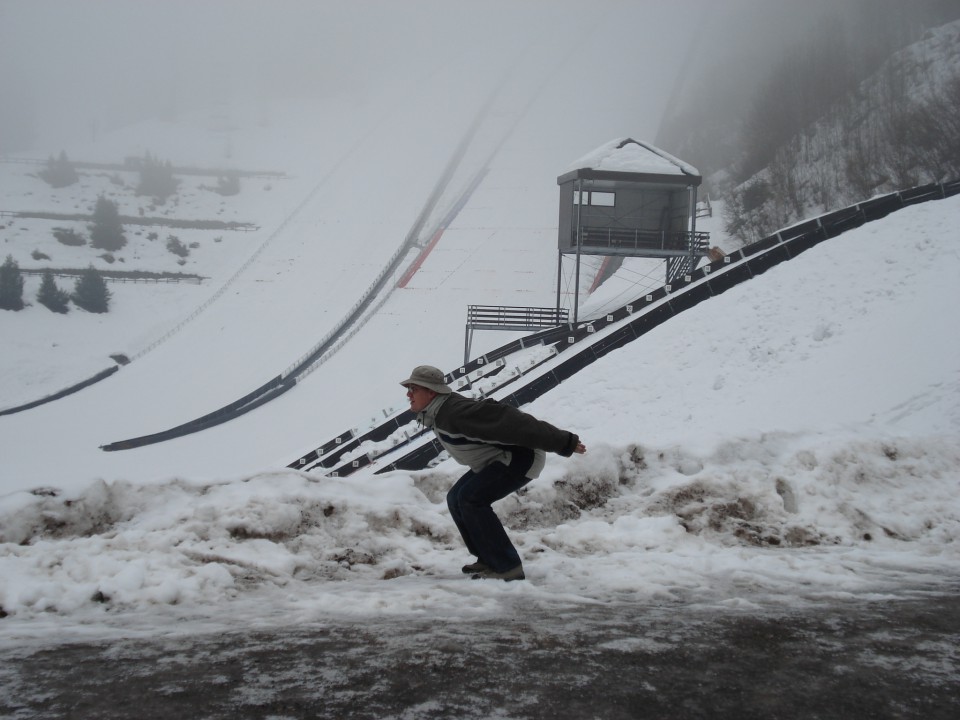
<point x="880" y="659"/>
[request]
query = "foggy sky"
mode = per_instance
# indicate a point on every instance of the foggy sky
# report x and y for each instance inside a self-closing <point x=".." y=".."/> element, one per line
<point x="69" y="66"/>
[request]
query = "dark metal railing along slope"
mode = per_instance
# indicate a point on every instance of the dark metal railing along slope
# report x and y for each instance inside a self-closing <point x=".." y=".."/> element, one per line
<point x="653" y="309"/>
<point x="62" y="393"/>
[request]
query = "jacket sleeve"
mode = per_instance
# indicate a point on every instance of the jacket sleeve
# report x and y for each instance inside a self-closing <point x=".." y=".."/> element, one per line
<point x="494" y="422"/>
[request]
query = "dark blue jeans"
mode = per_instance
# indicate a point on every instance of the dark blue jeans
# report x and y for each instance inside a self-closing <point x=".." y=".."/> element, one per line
<point x="470" y="499"/>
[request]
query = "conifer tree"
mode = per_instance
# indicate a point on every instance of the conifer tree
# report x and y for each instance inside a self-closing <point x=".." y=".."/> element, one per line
<point x="106" y="233"/>
<point x="91" y="292"/>
<point x="60" y="172"/>
<point x="11" y="285"/>
<point x="156" y="178"/>
<point x="229" y="184"/>
<point x="52" y="296"/>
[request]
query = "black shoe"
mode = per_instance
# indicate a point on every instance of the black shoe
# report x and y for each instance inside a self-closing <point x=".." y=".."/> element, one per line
<point x="511" y="574"/>
<point x="478" y="567"/>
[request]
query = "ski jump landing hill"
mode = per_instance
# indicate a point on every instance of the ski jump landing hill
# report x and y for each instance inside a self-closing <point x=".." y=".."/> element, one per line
<point x="430" y="223"/>
<point x="521" y="371"/>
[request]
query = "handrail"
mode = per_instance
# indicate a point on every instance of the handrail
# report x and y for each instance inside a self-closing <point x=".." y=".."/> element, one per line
<point x="483" y="317"/>
<point x="681" y="242"/>
<point x="654" y="308"/>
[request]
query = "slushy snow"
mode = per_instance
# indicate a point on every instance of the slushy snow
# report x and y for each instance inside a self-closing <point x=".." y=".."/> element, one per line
<point x="794" y="439"/>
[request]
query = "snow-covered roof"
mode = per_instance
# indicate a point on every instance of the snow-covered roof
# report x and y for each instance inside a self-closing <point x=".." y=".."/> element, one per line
<point x="630" y="157"/>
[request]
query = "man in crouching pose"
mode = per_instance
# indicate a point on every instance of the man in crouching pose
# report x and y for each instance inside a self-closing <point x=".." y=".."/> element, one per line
<point x="504" y="449"/>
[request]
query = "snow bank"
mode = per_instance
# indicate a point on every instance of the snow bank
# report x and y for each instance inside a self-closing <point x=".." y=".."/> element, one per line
<point x="759" y="519"/>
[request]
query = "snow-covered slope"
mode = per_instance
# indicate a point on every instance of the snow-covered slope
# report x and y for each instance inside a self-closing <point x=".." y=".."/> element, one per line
<point x="794" y="438"/>
<point x="359" y="177"/>
<point x="796" y="435"/>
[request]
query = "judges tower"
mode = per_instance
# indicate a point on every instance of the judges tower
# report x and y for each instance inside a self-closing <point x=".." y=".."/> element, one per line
<point x="628" y="198"/>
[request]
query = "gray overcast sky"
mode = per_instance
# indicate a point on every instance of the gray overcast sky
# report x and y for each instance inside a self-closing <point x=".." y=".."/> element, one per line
<point x="65" y="64"/>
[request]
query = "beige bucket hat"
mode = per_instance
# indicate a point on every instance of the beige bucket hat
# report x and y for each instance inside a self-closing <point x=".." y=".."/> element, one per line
<point x="429" y="377"/>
